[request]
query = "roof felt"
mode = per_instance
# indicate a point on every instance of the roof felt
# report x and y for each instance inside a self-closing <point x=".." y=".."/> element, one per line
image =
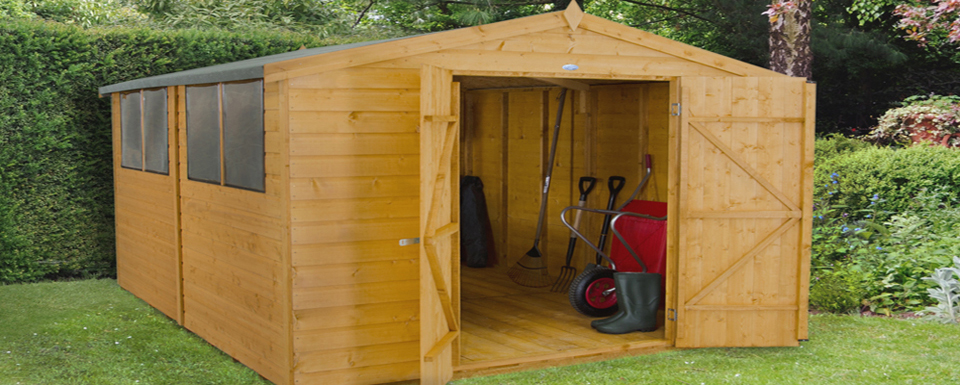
<point x="228" y="72"/>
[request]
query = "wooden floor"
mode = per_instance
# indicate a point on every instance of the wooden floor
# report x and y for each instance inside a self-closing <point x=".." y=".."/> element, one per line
<point x="504" y="323"/>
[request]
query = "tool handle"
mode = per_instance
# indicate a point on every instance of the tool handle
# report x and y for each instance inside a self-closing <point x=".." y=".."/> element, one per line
<point x="615" y="184"/>
<point x="584" y="190"/>
<point x="649" y="161"/>
<point x="576" y="218"/>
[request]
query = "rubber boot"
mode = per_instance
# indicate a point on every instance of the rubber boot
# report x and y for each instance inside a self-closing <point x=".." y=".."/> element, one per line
<point x="638" y="295"/>
<point x="612" y="318"/>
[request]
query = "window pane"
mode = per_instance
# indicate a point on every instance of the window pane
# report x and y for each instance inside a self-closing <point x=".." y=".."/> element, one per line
<point x="130" y="150"/>
<point x="243" y="135"/>
<point x="155" y="130"/>
<point x="203" y="133"/>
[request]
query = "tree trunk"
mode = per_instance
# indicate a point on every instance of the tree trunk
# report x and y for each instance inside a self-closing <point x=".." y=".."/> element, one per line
<point x="790" y="41"/>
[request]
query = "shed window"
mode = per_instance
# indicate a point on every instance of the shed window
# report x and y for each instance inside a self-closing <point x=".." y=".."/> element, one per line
<point x="225" y="134"/>
<point x="143" y="131"/>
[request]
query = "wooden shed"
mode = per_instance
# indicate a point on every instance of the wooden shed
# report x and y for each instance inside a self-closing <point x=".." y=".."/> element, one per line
<point x="264" y="204"/>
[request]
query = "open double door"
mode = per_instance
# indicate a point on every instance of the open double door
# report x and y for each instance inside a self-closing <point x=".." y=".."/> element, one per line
<point x="740" y="190"/>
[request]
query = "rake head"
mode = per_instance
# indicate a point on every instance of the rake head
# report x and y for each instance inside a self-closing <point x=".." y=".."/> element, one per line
<point x="530" y="271"/>
<point x="567" y="273"/>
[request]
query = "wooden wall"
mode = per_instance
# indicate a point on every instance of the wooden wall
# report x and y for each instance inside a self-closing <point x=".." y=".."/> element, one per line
<point x="146" y="226"/>
<point x="603" y="132"/>
<point x="233" y="244"/>
<point x="355" y="183"/>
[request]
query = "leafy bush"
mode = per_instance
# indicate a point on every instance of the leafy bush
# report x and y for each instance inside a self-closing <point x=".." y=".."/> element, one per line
<point x="836" y="292"/>
<point x="56" y="194"/>
<point x="849" y="179"/>
<point x="947" y="294"/>
<point x="935" y="114"/>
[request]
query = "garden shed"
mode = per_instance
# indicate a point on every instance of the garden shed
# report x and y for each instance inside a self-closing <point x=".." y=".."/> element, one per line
<point x="300" y="211"/>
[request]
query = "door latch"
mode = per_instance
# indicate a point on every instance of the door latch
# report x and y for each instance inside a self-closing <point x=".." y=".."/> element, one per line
<point x="672" y="314"/>
<point x="409" y="241"/>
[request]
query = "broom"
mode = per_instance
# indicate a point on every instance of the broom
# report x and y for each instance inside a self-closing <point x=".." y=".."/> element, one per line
<point x="530" y="270"/>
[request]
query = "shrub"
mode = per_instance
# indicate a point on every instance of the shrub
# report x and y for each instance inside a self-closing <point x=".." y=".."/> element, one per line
<point x="947" y="294"/>
<point x="835" y="292"/>
<point x="56" y="210"/>
<point x="898" y="125"/>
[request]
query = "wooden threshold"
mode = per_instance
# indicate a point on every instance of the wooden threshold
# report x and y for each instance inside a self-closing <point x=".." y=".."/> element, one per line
<point x="506" y="327"/>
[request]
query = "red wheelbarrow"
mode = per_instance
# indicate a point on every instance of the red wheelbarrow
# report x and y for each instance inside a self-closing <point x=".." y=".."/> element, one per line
<point x="641" y="229"/>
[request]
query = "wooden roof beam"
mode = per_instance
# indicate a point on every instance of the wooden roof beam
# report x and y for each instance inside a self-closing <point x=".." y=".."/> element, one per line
<point x="566" y="83"/>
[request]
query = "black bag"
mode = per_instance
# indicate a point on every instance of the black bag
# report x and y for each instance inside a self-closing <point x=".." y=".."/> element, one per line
<point x="476" y="236"/>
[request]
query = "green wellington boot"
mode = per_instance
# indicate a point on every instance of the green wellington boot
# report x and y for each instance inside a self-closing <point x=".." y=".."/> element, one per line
<point x="638" y="295"/>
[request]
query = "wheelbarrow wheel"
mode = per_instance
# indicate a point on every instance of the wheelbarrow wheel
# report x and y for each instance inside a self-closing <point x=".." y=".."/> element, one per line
<point x="587" y="292"/>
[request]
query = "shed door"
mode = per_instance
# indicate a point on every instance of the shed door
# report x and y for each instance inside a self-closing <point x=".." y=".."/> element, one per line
<point x="439" y="225"/>
<point x="745" y="182"/>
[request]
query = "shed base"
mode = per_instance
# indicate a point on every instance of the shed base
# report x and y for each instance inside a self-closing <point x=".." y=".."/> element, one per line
<point x="507" y="328"/>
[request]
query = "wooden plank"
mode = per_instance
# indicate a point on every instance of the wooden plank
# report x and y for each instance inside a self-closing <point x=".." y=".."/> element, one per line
<point x="157" y="294"/>
<point x="353" y="336"/>
<point x="216" y="334"/>
<point x="286" y="265"/>
<point x="243" y="280"/>
<point x="357" y="315"/>
<point x="263" y="331"/>
<point x="244" y="240"/>
<point x="536" y="63"/>
<point x="353" y="187"/>
<point x="346" y="209"/>
<point x="353" y="165"/>
<point x="355" y="144"/>
<point x="363" y="293"/>
<point x="357" y="78"/>
<point x="588" y="43"/>
<point x="354" y="100"/>
<point x="223" y="288"/>
<point x="205" y="211"/>
<point x="807" y="162"/>
<point x="402" y="371"/>
<point x="355" y="273"/>
<point x="409" y="46"/>
<point x="249" y="201"/>
<point x="241" y="259"/>
<point x="356" y="230"/>
<point x="353" y="122"/>
<point x="680" y="50"/>
<point x="351" y="252"/>
<point x="357" y="357"/>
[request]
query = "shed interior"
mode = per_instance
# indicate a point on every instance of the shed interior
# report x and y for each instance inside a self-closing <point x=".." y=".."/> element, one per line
<point x="506" y="129"/>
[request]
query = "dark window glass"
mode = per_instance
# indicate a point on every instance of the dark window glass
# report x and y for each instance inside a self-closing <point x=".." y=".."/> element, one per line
<point x="243" y="135"/>
<point x="130" y="139"/>
<point x="203" y="133"/>
<point x="156" y="154"/>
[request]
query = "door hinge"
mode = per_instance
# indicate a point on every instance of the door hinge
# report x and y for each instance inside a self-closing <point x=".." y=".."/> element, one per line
<point x="675" y="109"/>
<point x="409" y="241"/>
<point x="672" y="314"/>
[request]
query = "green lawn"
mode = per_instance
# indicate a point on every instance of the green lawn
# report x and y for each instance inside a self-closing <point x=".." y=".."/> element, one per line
<point x="93" y="332"/>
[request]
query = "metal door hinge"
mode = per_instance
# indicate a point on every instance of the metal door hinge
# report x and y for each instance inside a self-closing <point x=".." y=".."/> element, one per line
<point x="675" y="109"/>
<point x="672" y="314"/>
<point x="409" y="241"/>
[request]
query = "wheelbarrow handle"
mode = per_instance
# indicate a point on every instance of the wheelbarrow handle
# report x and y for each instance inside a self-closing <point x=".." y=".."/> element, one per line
<point x="617" y="215"/>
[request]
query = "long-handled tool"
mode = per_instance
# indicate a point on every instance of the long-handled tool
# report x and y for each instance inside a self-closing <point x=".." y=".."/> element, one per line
<point x="615" y="184"/>
<point x="530" y="270"/>
<point x="567" y="272"/>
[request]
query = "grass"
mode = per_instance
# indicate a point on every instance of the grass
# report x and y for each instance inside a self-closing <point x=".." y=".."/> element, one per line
<point x="93" y="332"/>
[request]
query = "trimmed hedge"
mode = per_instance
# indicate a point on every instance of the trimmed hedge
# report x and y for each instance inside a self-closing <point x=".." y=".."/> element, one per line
<point x="56" y="187"/>
<point x="850" y="172"/>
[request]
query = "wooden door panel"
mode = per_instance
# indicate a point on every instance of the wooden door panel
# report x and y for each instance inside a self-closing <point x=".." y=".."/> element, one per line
<point x="439" y="225"/>
<point x="742" y="165"/>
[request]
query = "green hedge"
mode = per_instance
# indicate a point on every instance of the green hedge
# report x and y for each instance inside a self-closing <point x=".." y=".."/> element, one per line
<point x="850" y="173"/>
<point x="56" y="187"/>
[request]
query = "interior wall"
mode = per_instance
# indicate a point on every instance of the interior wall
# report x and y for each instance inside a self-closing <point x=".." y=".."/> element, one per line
<point x="233" y="250"/>
<point x="604" y="132"/>
<point x="355" y="183"/>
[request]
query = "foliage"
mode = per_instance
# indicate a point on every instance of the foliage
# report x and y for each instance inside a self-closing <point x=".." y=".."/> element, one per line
<point x="56" y="194"/>
<point x="938" y="115"/>
<point x="836" y="292"/>
<point x="947" y="294"/>
<point x="934" y="23"/>
<point x="886" y="217"/>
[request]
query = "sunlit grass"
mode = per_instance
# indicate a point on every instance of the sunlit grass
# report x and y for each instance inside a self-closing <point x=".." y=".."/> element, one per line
<point x="93" y="332"/>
